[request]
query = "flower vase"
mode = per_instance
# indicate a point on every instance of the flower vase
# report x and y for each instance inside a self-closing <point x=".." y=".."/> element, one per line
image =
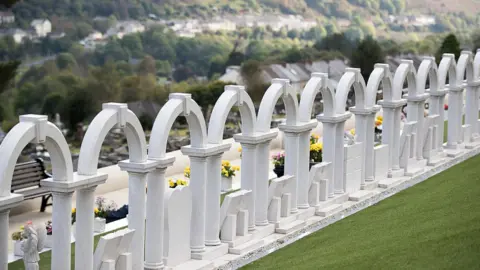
<point x="17" y="248"/>
<point x="227" y="183"/>
<point x="279" y="170"/>
<point x="49" y="241"/>
<point x="99" y="224"/>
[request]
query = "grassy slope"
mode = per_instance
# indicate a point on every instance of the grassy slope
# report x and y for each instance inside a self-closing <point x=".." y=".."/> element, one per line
<point x="433" y="225"/>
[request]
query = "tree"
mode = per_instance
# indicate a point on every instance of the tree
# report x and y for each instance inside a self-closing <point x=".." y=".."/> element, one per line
<point x="252" y="75"/>
<point x="147" y="66"/>
<point x="449" y="45"/>
<point x="66" y="61"/>
<point x="367" y="54"/>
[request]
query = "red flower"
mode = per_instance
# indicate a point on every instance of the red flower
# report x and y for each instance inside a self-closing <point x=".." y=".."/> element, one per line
<point x="445" y="107"/>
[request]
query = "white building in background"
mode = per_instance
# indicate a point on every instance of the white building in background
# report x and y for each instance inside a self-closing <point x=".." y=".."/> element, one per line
<point x="123" y="28"/>
<point x="18" y="35"/>
<point x="41" y="27"/>
<point x="220" y="25"/>
<point x="6" y="17"/>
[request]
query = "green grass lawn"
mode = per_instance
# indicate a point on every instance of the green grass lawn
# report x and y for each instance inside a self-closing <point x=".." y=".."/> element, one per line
<point x="433" y="225"/>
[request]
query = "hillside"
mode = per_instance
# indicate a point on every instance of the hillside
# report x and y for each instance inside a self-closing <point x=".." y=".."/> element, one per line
<point x="444" y="6"/>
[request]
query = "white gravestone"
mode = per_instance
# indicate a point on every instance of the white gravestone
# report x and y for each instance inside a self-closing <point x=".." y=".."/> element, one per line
<point x="279" y="198"/>
<point x="319" y="175"/>
<point x="234" y="216"/>
<point x="178" y="213"/>
<point x="353" y="167"/>
<point x="112" y="251"/>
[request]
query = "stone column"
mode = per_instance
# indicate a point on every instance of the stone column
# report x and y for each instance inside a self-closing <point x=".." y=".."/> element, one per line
<point x="454" y="116"/>
<point x="6" y="203"/>
<point x="197" y="183"/>
<point x="137" y="181"/>
<point x="471" y="110"/>
<point x="213" y="187"/>
<point x="364" y="130"/>
<point x="261" y="200"/>
<point x="416" y="105"/>
<point x="84" y="219"/>
<point x="437" y="101"/>
<point x="155" y="214"/>
<point x="297" y="161"/>
<point x="256" y="155"/>
<point x="391" y="131"/>
<point x="333" y="145"/>
<point x="61" y="217"/>
<point x="248" y="180"/>
<point x="84" y="228"/>
<point x="213" y="154"/>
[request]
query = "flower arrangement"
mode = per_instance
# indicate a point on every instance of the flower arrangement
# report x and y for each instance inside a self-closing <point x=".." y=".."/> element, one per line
<point x="49" y="227"/>
<point x="18" y="235"/>
<point x="173" y="183"/>
<point x="316" y="148"/>
<point x="278" y="159"/>
<point x="378" y="121"/>
<point x="228" y="170"/>
<point x="103" y="208"/>
<point x="314" y="139"/>
<point x="186" y="172"/>
<point x="74" y="215"/>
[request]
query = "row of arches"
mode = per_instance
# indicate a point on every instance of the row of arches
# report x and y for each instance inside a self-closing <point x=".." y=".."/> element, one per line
<point x="148" y="162"/>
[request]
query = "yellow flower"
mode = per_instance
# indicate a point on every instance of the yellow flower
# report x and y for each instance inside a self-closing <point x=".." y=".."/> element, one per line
<point x="74" y="210"/>
<point x="240" y="149"/>
<point x="236" y="168"/>
<point x="22" y="227"/>
<point x="352" y="131"/>
<point x="315" y="136"/>
<point x="320" y="145"/>
<point x="378" y="122"/>
<point x="225" y="163"/>
<point x="96" y="210"/>
<point x="380" y="118"/>
<point x="171" y="184"/>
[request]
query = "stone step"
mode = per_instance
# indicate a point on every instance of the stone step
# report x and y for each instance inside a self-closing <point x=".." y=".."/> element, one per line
<point x="390" y="182"/>
<point x="329" y="210"/>
<point x="239" y="240"/>
<point x="249" y="246"/>
<point x="297" y="224"/>
<point x="370" y="185"/>
<point x="360" y="195"/>
<point x="211" y="252"/>
<point x="261" y="232"/>
<point x="286" y="220"/>
<point x="193" y="265"/>
<point x="303" y="214"/>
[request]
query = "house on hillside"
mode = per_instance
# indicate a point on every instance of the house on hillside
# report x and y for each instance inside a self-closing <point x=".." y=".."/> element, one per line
<point x="219" y="25"/>
<point x="297" y="73"/>
<point x="18" y="34"/>
<point x="6" y="17"/>
<point x="124" y="28"/>
<point x="41" y="27"/>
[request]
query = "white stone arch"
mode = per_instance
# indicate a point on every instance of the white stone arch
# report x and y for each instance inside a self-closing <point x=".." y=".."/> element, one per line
<point x="381" y="74"/>
<point x="279" y="88"/>
<point x="476" y="65"/>
<point x="234" y="95"/>
<point x="427" y="70"/>
<point x="447" y="69"/>
<point x="34" y="128"/>
<point x="113" y="114"/>
<point x="319" y="83"/>
<point x="178" y="104"/>
<point x="351" y="77"/>
<point x="465" y="67"/>
<point x="37" y="129"/>
<point x="406" y="71"/>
